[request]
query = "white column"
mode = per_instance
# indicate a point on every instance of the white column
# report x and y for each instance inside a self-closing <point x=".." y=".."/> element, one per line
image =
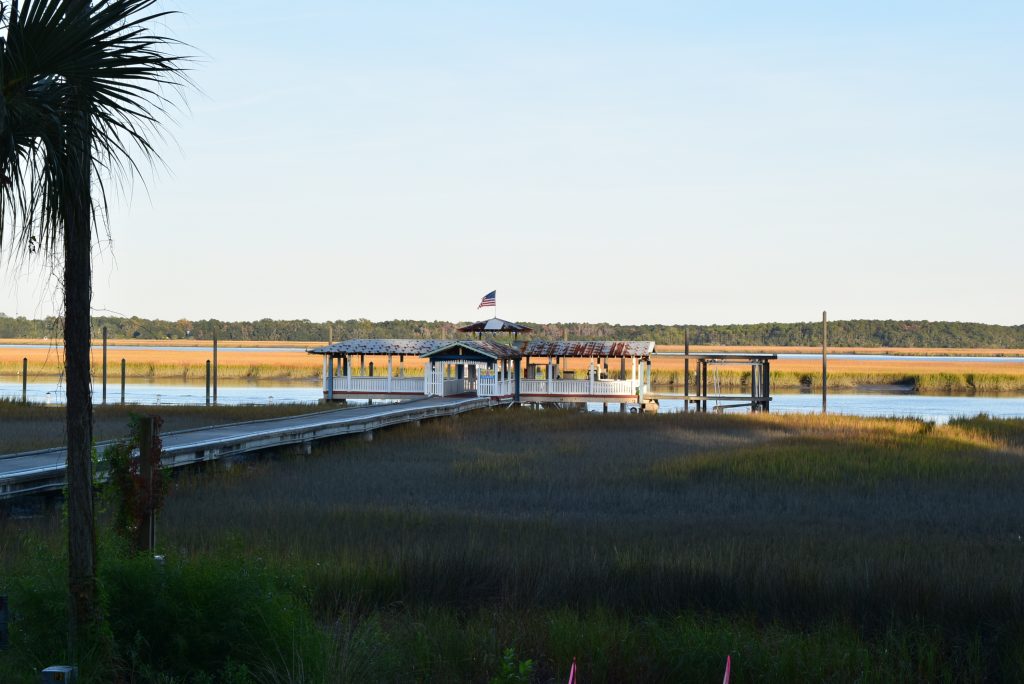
<point x="390" y="372"/>
<point x="325" y="371"/>
<point x="348" y="373"/>
<point x="547" y="376"/>
<point x="643" y="375"/>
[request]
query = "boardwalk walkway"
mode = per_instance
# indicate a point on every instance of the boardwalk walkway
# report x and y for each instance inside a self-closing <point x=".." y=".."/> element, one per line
<point x="43" y="470"/>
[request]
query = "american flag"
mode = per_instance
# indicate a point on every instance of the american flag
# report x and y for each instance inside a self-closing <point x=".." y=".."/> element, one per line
<point x="490" y="299"/>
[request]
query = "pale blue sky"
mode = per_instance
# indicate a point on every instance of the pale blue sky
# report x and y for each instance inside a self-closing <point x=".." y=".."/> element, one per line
<point x="629" y="161"/>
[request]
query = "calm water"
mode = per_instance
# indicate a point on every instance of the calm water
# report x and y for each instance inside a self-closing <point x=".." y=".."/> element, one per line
<point x="936" y="408"/>
<point x="177" y="393"/>
<point x="885" y="404"/>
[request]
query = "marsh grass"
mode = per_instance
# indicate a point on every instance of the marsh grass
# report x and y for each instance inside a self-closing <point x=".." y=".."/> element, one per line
<point x="938" y="382"/>
<point x="810" y="548"/>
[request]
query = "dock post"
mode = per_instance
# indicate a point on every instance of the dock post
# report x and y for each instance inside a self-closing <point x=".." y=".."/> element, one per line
<point x="330" y="378"/>
<point x="207" y="382"/>
<point x="24" y="380"/>
<point x="622" y="368"/>
<point x="104" y="364"/>
<point x="214" y="369"/>
<point x="704" y="385"/>
<point x="686" y="368"/>
<point x="824" y="362"/>
<point x="515" y="366"/>
<point x="755" y="386"/>
<point x="123" y="374"/>
<point x="766" y="386"/>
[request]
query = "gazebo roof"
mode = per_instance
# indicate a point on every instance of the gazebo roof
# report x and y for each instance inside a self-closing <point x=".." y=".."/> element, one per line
<point x="486" y="348"/>
<point x="606" y="349"/>
<point x="495" y="325"/>
<point x="375" y="347"/>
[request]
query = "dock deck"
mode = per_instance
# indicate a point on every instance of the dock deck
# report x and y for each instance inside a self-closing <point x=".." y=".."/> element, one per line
<point x="43" y="470"/>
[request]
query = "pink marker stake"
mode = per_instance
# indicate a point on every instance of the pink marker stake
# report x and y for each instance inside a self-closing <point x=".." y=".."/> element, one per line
<point x="572" y="672"/>
<point x="728" y="669"/>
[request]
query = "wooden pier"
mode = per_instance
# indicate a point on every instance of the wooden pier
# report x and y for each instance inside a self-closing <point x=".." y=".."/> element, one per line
<point x="42" y="471"/>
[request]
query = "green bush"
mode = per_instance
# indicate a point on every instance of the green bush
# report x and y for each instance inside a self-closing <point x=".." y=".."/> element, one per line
<point x="209" y="620"/>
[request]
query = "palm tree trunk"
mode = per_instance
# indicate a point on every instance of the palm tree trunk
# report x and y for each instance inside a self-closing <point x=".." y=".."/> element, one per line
<point x="77" y="340"/>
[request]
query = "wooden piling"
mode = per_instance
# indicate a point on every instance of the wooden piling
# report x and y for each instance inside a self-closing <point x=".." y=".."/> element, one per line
<point x="330" y="378"/>
<point x="24" y="380"/>
<point x="207" y="382"/>
<point x="214" y="369"/>
<point x="824" y="362"/>
<point x="686" y="368"/>
<point x="123" y="375"/>
<point x="104" y="364"/>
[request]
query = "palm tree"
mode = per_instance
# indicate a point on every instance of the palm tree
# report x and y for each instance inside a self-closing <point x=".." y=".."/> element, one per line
<point x="85" y="87"/>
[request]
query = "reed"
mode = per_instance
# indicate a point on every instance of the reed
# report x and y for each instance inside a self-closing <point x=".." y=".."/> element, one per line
<point x="921" y="382"/>
<point x="809" y="547"/>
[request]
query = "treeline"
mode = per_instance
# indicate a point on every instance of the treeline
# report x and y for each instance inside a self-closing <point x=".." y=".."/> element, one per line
<point x="855" y="333"/>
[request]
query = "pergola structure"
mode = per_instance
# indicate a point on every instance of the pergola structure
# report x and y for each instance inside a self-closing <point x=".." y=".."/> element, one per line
<point x="552" y="381"/>
<point x="485" y="367"/>
<point x="496" y="326"/>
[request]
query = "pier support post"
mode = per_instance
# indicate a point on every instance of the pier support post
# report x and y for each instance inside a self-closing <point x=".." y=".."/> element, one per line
<point x="330" y="378"/>
<point x="123" y="374"/>
<point x="516" y="364"/>
<point x="104" y="364"/>
<point x="824" y="362"/>
<point x="207" y="382"/>
<point x="24" y="380"/>
<point x="686" y="368"/>
<point x="704" y="386"/>
<point x="214" y="369"/>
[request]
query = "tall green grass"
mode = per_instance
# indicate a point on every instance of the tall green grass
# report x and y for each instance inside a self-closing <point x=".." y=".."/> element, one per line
<point x="809" y="548"/>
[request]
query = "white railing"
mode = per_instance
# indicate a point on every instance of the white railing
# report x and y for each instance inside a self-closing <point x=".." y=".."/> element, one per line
<point x="613" y="388"/>
<point x="376" y="385"/>
<point x="492" y="387"/>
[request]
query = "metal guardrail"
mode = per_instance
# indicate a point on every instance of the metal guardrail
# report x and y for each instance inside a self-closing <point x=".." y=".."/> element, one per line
<point x="248" y="437"/>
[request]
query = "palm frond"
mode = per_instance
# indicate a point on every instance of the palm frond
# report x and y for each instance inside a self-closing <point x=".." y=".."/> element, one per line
<point x="86" y="88"/>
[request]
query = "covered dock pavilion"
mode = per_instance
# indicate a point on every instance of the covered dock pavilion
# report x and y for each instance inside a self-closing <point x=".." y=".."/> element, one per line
<point x="485" y="367"/>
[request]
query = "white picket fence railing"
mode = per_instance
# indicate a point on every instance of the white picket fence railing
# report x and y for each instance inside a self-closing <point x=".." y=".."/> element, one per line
<point x="376" y="384"/>
<point x="606" y="388"/>
<point x="492" y="387"/>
